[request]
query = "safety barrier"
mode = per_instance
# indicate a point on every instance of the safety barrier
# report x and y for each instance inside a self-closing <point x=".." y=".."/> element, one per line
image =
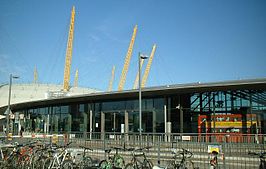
<point x="232" y="154"/>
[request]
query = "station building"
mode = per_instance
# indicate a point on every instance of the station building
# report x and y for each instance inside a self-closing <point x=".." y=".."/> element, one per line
<point x="231" y="106"/>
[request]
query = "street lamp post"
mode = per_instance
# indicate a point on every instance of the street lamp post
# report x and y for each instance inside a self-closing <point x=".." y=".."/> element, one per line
<point x="179" y="107"/>
<point x="140" y="113"/>
<point x="9" y="98"/>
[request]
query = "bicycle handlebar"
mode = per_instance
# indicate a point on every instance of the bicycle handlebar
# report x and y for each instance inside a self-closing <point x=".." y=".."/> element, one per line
<point x="260" y="154"/>
<point x="183" y="153"/>
<point x="143" y="148"/>
<point x="138" y="149"/>
<point x="86" y="148"/>
<point x="117" y="148"/>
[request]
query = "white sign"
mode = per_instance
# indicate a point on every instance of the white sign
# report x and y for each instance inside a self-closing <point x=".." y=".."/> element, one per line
<point x="12" y="116"/>
<point x="216" y="148"/>
<point x="21" y="116"/>
<point x="122" y="128"/>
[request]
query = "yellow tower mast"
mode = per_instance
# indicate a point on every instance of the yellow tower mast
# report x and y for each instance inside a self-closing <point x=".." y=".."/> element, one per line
<point x="69" y="51"/>
<point x="112" y="79"/>
<point x="35" y="74"/>
<point x="148" y="67"/>
<point x="127" y="61"/>
<point x="136" y="83"/>
<point x="76" y="78"/>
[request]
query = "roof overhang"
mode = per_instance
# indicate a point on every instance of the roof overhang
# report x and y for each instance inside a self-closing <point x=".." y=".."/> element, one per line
<point x="161" y="91"/>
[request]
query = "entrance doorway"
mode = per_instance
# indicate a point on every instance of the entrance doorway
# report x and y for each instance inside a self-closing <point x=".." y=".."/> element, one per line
<point x="113" y="121"/>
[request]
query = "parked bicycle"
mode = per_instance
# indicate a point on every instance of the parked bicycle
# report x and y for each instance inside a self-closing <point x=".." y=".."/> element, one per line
<point x="115" y="161"/>
<point x="85" y="161"/>
<point x="261" y="155"/>
<point x="139" y="159"/>
<point x="18" y="157"/>
<point x="184" y="163"/>
<point x="41" y="153"/>
<point x="61" y="159"/>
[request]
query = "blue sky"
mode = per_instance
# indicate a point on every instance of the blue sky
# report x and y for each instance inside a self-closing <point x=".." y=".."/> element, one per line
<point x="197" y="40"/>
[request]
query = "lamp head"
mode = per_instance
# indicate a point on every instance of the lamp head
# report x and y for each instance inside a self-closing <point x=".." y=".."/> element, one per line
<point x="15" y="77"/>
<point x="143" y="56"/>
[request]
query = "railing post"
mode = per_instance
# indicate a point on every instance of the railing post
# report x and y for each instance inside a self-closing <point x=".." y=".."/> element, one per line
<point x="223" y="151"/>
<point x="159" y="150"/>
<point x="104" y="145"/>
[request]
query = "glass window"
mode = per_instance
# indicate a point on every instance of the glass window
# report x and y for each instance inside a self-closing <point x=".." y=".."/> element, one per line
<point x="147" y="104"/>
<point x="159" y="111"/>
<point x="110" y="106"/>
<point x="133" y="121"/>
<point x="132" y="105"/>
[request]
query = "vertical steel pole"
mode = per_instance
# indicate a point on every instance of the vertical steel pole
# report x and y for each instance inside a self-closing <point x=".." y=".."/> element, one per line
<point x="214" y="118"/>
<point x="181" y="120"/>
<point x="250" y="106"/>
<point x="140" y="113"/>
<point x="8" y="108"/>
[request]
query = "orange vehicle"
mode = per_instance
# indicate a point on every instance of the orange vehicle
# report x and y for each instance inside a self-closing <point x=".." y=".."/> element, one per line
<point x="229" y="127"/>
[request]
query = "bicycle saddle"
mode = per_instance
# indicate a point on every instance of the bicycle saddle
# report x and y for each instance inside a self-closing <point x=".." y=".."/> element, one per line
<point x="108" y="150"/>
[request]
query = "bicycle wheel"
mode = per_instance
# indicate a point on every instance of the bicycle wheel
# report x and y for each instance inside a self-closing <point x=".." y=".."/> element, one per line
<point x="189" y="165"/>
<point x="47" y="163"/>
<point x="170" y="165"/>
<point x="67" y="165"/>
<point x="24" y="162"/>
<point x="105" y="165"/>
<point x="147" y="164"/>
<point x="13" y="162"/>
<point x="37" y="162"/>
<point x="119" y="162"/>
<point x="186" y="165"/>
<point x="130" y="166"/>
<point x="4" y="165"/>
<point x="85" y="163"/>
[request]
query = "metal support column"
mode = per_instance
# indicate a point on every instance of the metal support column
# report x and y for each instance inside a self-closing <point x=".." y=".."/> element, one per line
<point x="102" y="125"/>
<point x="126" y="126"/>
<point x="181" y="120"/>
<point x="91" y="129"/>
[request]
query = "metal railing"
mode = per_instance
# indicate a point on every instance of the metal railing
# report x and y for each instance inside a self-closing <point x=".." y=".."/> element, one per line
<point x="233" y="149"/>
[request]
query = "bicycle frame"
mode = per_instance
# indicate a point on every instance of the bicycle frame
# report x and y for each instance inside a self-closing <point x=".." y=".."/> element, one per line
<point x="115" y="161"/>
<point x="57" y="161"/>
<point x="136" y="162"/>
<point x="184" y="163"/>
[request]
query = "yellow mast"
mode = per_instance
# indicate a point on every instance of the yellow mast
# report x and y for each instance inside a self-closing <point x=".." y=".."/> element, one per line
<point x="76" y="78"/>
<point x="127" y="61"/>
<point x="69" y="51"/>
<point x="136" y="83"/>
<point x="112" y="79"/>
<point x="35" y="75"/>
<point x="148" y="67"/>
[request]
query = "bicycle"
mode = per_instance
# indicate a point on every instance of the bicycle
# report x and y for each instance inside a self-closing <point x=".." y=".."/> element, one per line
<point x="40" y="154"/>
<point x="261" y="155"/>
<point x="18" y="157"/>
<point x="185" y="163"/>
<point x="136" y="163"/>
<point x="7" y="157"/>
<point x="61" y="159"/>
<point x="117" y="161"/>
<point x="86" y="161"/>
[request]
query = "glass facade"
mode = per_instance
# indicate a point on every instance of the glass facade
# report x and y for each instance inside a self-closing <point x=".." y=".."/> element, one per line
<point x="181" y="111"/>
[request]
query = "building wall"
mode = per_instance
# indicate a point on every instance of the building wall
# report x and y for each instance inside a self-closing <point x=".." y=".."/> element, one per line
<point x="111" y="115"/>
